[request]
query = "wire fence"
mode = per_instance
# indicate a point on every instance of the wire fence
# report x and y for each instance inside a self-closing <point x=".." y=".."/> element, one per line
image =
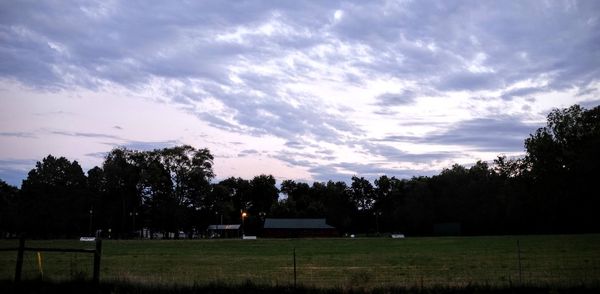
<point x="319" y="267"/>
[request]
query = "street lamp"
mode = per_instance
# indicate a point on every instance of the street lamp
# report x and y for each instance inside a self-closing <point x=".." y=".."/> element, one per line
<point x="377" y="214"/>
<point x="244" y="215"/>
<point x="133" y="215"/>
<point x="91" y="214"/>
<point x="219" y="229"/>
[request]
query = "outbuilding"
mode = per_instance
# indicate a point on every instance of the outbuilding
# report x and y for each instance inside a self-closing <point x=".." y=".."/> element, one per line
<point x="224" y="231"/>
<point x="298" y="228"/>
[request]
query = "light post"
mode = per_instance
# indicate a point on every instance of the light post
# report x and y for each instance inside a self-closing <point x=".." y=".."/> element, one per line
<point x="218" y="229"/>
<point x="133" y="215"/>
<point x="377" y="214"/>
<point x="91" y="215"/>
<point x="244" y="214"/>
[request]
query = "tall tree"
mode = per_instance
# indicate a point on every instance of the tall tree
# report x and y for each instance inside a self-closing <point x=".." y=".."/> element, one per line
<point x="122" y="176"/>
<point x="564" y="161"/>
<point x="362" y="193"/>
<point x="263" y="194"/>
<point x="54" y="201"/>
<point x="8" y="209"/>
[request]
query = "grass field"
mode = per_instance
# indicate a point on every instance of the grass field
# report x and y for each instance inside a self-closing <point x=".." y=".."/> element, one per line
<point x="363" y="262"/>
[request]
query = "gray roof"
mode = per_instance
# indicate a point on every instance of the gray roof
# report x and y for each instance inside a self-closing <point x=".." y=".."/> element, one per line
<point x="296" y="223"/>
<point x="224" y="227"/>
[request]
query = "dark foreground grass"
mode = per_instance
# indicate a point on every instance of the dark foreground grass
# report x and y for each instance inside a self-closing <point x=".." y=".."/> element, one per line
<point x="251" y="288"/>
<point x="370" y="263"/>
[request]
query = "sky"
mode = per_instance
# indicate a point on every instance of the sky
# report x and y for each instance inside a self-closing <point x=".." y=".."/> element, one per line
<point x="302" y="90"/>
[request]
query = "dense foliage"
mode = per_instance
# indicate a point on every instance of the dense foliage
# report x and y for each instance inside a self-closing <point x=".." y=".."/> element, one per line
<point x="552" y="189"/>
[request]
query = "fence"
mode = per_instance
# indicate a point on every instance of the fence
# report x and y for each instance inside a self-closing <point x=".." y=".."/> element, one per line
<point x="374" y="270"/>
<point x="97" y="252"/>
<point x="361" y="262"/>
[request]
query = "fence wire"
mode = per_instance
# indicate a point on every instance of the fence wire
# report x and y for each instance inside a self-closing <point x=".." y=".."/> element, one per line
<point x="319" y="267"/>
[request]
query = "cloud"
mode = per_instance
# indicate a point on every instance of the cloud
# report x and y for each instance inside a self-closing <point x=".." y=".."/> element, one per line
<point x="148" y="145"/>
<point x="86" y="135"/>
<point x="248" y="152"/>
<point x="469" y="81"/>
<point x="13" y="171"/>
<point x="395" y="155"/>
<point x="345" y="170"/>
<point x="396" y="99"/>
<point x="306" y="72"/>
<point x="589" y="104"/>
<point x="501" y="134"/>
<point x="18" y="135"/>
<point x="522" y="92"/>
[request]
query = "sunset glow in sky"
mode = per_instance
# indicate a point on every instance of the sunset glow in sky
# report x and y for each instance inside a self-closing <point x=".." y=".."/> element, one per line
<point x="303" y="90"/>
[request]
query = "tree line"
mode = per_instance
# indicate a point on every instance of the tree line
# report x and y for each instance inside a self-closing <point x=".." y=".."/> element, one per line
<point x="553" y="188"/>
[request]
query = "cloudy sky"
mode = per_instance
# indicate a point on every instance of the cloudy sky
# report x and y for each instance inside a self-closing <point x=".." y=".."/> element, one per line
<point x="304" y="90"/>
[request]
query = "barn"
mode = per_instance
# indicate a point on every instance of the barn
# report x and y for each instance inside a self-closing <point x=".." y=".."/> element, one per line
<point x="297" y="228"/>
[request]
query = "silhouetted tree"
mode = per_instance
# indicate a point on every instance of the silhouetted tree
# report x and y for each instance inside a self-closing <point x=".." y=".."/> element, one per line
<point x="8" y="209"/>
<point x="53" y="199"/>
<point x="564" y="162"/>
<point x="551" y="189"/>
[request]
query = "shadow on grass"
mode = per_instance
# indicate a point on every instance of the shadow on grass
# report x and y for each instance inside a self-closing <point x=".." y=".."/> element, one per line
<point x="35" y="286"/>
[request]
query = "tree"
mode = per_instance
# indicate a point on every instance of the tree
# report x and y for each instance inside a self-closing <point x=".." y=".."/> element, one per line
<point x="564" y="162"/>
<point x="122" y="176"/>
<point x="362" y="193"/>
<point x="263" y="194"/>
<point x="53" y="200"/>
<point x="339" y="208"/>
<point x="302" y="199"/>
<point x="8" y="209"/>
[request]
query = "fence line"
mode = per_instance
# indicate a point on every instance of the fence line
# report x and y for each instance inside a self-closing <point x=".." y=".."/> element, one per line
<point x="300" y="266"/>
<point x="22" y="248"/>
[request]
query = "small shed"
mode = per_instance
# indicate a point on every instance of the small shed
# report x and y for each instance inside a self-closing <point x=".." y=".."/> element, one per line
<point x="224" y="231"/>
<point x="297" y="228"/>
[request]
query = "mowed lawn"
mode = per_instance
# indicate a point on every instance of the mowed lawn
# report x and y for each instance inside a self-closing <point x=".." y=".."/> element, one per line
<point x="361" y="262"/>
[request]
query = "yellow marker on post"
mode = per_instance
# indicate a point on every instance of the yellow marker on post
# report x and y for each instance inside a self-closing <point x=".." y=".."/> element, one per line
<point x="39" y="258"/>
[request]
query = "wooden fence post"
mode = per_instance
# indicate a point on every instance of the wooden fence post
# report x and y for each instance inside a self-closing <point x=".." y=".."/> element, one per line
<point x="520" y="268"/>
<point x="20" y="259"/>
<point x="294" y="267"/>
<point x="97" y="255"/>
